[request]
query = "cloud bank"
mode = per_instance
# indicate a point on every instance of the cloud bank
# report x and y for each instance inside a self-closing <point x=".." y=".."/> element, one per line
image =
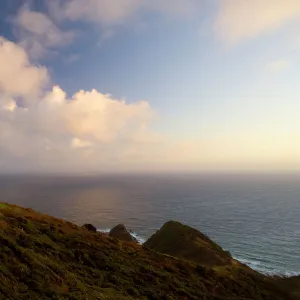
<point x="44" y="130"/>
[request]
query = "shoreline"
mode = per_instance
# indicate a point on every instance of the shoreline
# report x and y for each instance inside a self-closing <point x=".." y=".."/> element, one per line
<point x="253" y="264"/>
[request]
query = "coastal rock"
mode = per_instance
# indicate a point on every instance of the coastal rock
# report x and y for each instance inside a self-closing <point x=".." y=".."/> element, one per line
<point x="188" y="243"/>
<point x="120" y="232"/>
<point x="90" y="227"/>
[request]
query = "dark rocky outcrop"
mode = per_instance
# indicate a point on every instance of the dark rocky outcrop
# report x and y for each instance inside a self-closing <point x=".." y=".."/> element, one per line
<point x="120" y="232"/>
<point x="90" y="227"/>
<point x="188" y="243"/>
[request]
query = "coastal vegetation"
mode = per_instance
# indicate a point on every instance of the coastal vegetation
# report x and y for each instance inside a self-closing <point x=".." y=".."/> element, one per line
<point x="188" y="243"/>
<point x="42" y="257"/>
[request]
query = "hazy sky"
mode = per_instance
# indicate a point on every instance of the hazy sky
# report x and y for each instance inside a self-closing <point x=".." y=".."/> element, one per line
<point x="148" y="85"/>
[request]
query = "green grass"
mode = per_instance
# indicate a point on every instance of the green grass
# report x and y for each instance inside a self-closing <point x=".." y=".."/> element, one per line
<point x="46" y="258"/>
<point x="188" y="243"/>
<point x="3" y="205"/>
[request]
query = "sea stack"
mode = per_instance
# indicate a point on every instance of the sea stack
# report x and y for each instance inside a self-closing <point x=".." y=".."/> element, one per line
<point x="120" y="232"/>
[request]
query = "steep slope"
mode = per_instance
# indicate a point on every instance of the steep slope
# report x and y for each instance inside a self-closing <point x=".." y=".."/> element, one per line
<point x="188" y="243"/>
<point x="291" y="284"/>
<point x="46" y="258"/>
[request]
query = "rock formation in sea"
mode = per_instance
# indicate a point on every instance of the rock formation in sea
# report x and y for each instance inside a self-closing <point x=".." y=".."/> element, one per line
<point x="120" y="232"/>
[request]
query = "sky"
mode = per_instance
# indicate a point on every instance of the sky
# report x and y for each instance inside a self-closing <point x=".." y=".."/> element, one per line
<point x="99" y="86"/>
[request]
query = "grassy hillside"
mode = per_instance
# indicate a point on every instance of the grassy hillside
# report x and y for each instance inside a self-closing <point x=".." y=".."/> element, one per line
<point x="188" y="243"/>
<point x="46" y="258"/>
<point x="291" y="284"/>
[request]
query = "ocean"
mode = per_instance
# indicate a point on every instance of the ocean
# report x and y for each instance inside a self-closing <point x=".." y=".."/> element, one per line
<point x="255" y="217"/>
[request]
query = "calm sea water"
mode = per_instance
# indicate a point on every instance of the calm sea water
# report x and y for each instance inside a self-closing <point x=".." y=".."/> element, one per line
<point x="256" y="218"/>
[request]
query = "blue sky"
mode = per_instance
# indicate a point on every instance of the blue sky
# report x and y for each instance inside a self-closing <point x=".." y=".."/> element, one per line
<point x="220" y="79"/>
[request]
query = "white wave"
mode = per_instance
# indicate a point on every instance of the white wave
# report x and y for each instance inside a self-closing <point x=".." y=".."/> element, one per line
<point x="266" y="269"/>
<point x="140" y="239"/>
<point x="248" y="262"/>
<point x="107" y="230"/>
<point x="290" y="274"/>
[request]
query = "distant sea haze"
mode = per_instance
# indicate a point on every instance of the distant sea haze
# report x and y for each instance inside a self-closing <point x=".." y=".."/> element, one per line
<point x="255" y="217"/>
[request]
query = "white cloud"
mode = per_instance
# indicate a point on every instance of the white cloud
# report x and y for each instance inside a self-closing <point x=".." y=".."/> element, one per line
<point x="8" y="104"/>
<point x="108" y="13"/>
<point x="17" y="76"/>
<point x="175" y="8"/>
<point x="38" y="33"/>
<point x="100" y="11"/>
<point x="95" y="116"/>
<point x="243" y="19"/>
<point x="89" y="131"/>
<point x="78" y="143"/>
<point x="277" y="65"/>
<point x="236" y="20"/>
